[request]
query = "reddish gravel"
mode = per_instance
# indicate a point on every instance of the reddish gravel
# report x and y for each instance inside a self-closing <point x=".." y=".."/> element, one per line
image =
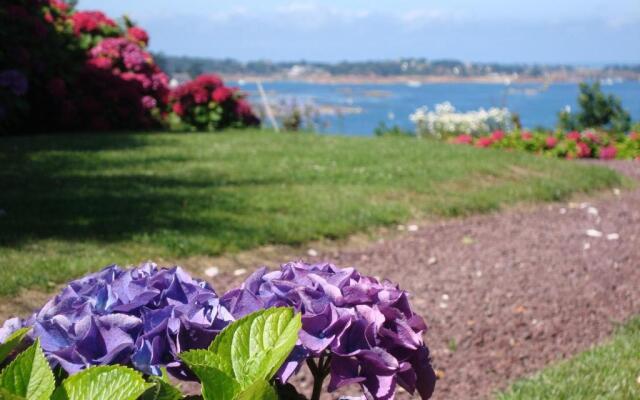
<point x="508" y="293"/>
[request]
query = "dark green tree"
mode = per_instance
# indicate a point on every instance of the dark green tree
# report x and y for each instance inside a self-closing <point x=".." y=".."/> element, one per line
<point x="597" y="110"/>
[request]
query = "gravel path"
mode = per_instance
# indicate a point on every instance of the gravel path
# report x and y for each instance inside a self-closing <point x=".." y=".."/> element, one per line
<point x="506" y="294"/>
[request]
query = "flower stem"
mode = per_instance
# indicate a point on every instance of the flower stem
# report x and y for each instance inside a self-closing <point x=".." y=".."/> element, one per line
<point x="319" y="372"/>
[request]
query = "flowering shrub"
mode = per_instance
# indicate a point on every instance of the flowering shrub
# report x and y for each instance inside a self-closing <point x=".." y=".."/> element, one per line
<point x="587" y="144"/>
<point x="359" y="330"/>
<point x="37" y="45"/>
<point x="94" y="23"/>
<point x="354" y="328"/>
<point x="207" y="104"/>
<point x="72" y="70"/>
<point x="83" y="71"/>
<point x="445" y="121"/>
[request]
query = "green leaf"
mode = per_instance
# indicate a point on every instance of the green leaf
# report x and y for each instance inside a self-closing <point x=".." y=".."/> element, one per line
<point x="5" y="395"/>
<point x="103" y="383"/>
<point x="29" y="375"/>
<point x="12" y="342"/>
<point x="256" y="346"/>
<point x="206" y="358"/>
<point x="261" y="390"/>
<point x="161" y="390"/>
<point x="216" y="385"/>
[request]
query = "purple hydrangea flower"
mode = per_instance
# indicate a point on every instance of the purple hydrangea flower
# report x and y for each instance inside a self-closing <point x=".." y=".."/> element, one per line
<point x="15" y="81"/>
<point x="141" y="317"/>
<point x="9" y="327"/>
<point x="365" y="326"/>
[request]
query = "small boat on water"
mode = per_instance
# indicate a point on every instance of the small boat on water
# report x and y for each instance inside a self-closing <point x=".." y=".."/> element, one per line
<point x="528" y="91"/>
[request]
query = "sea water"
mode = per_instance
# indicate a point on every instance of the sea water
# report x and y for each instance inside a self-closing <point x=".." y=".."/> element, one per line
<point x="536" y="104"/>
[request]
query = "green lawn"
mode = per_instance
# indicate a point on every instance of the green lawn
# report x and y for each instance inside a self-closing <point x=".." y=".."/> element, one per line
<point x="70" y="204"/>
<point x="607" y="372"/>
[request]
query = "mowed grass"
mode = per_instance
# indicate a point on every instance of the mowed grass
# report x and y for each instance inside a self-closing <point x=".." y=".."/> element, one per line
<point x="72" y="204"/>
<point x="610" y="371"/>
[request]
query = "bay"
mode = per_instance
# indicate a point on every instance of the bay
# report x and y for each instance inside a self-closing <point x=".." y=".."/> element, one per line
<point x="537" y="105"/>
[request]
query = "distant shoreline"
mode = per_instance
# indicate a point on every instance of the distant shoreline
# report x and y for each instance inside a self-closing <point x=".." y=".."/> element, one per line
<point x="415" y="79"/>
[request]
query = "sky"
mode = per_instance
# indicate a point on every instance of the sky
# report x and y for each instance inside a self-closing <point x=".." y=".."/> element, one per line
<point x="588" y="32"/>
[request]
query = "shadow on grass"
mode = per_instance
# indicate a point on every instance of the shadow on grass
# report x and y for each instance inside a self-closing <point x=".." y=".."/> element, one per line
<point x="49" y="196"/>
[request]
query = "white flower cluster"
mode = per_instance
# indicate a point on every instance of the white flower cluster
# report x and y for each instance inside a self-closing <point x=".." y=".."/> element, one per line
<point x="446" y="121"/>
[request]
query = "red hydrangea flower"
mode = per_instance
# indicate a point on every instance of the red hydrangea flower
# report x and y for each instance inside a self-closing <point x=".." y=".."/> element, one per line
<point x="100" y="62"/>
<point x="497" y="135"/>
<point x="527" y="136"/>
<point x="200" y="96"/>
<point x="129" y="56"/>
<point x="463" y="139"/>
<point x="209" y="81"/>
<point x="634" y="136"/>
<point x="60" y="5"/>
<point x="178" y="109"/>
<point x="573" y="135"/>
<point x="138" y="35"/>
<point x="592" y="137"/>
<point x="90" y="21"/>
<point x="584" y="150"/>
<point x="608" y="153"/>
<point x="221" y="94"/>
<point x="484" y="142"/>
<point x="48" y="17"/>
<point x="550" y="142"/>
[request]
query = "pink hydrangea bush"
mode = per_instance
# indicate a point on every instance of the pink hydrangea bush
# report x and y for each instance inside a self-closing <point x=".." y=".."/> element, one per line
<point x="83" y="71"/>
<point x="205" y="103"/>
<point x="66" y="70"/>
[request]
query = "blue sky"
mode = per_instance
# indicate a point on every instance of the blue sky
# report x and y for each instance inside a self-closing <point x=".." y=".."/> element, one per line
<point x="545" y="31"/>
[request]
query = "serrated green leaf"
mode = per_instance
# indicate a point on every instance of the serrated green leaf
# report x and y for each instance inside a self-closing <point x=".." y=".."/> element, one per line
<point x="5" y="395"/>
<point x="206" y="358"/>
<point x="161" y="390"/>
<point x="103" y="383"/>
<point x="29" y="375"/>
<point x="260" y="390"/>
<point x="216" y="385"/>
<point x="257" y="345"/>
<point x="12" y="342"/>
